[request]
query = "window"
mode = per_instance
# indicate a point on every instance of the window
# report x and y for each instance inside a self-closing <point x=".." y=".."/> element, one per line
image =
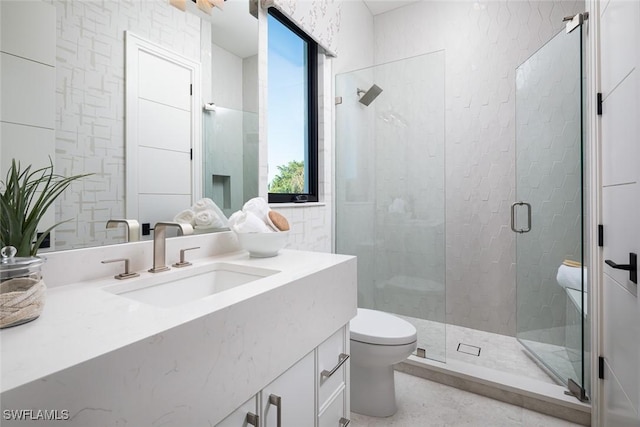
<point x="292" y="112"/>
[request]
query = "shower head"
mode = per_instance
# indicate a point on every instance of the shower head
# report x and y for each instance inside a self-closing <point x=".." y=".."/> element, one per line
<point x="369" y="95"/>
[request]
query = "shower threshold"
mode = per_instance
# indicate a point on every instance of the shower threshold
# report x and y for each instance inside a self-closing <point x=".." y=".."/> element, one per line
<point x="529" y="393"/>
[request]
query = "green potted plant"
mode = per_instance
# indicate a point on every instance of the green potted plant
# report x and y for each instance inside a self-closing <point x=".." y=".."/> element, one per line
<point x="25" y="196"/>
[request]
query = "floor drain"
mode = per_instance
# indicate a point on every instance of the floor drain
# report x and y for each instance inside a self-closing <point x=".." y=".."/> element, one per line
<point x="469" y="349"/>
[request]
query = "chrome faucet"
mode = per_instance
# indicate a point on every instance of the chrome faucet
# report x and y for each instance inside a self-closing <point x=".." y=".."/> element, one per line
<point x="132" y="226"/>
<point x="159" y="241"/>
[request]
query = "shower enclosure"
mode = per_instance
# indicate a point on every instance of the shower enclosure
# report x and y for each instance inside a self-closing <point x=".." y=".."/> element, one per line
<point x="230" y="164"/>
<point x="390" y="202"/>
<point x="390" y="189"/>
<point x="551" y="275"/>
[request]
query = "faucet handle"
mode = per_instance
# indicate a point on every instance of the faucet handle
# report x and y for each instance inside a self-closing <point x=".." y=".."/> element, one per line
<point x="182" y="262"/>
<point x="126" y="274"/>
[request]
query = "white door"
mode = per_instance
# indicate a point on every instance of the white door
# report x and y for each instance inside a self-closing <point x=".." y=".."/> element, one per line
<point x="162" y="128"/>
<point x="620" y="125"/>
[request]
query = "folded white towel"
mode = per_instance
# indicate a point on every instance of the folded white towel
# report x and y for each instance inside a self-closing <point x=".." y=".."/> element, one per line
<point x="569" y="277"/>
<point x="208" y="219"/>
<point x="187" y="216"/>
<point x="248" y="222"/>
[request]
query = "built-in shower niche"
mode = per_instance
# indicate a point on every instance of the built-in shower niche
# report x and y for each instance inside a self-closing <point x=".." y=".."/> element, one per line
<point x="221" y="191"/>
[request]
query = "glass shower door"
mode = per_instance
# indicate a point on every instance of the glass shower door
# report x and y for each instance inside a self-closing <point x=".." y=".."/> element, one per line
<point x="390" y="190"/>
<point x="548" y="215"/>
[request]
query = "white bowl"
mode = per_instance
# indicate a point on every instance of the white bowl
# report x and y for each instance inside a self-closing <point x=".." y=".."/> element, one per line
<point x="263" y="245"/>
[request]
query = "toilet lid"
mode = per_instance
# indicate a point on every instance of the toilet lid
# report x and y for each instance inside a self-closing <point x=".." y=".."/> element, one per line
<point x="377" y="327"/>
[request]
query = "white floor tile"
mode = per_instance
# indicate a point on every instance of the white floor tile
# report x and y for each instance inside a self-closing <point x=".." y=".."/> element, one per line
<point x="424" y="403"/>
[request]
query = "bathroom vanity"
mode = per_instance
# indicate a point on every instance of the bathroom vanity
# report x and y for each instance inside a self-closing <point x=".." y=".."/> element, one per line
<point x="102" y="354"/>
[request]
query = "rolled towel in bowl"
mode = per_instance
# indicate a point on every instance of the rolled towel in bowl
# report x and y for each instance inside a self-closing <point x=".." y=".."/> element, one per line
<point x="248" y="222"/>
<point x="569" y="277"/>
<point x="187" y="216"/>
<point x="260" y="208"/>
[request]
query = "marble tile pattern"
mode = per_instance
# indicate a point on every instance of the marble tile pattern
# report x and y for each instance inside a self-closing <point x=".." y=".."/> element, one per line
<point x="426" y="403"/>
<point x="90" y="101"/>
<point x="499" y="352"/>
<point x="484" y="42"/>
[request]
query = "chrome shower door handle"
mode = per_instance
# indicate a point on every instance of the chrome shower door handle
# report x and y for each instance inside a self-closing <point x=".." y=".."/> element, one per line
<point x="513" y="217"/>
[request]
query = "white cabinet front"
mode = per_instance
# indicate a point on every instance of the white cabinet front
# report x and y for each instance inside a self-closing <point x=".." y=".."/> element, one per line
<point x="245" y="415"/>
<point x="289" y="400"/>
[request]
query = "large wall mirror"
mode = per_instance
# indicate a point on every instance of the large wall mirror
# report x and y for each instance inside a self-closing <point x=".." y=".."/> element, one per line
<point x="63" y="96"/>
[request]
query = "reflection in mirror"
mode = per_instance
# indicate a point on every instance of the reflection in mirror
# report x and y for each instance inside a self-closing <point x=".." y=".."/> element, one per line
<point x="63" y="79"/>
<point x="230" y="122"/>
<point x="230" y="157"/>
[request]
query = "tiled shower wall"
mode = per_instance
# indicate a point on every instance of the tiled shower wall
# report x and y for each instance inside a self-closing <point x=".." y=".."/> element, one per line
<point x="90" y="104"/>
<point x="484" y="42"/>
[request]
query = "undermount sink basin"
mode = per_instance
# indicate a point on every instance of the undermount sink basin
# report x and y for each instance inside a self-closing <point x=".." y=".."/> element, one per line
<point x="217" y="278"/>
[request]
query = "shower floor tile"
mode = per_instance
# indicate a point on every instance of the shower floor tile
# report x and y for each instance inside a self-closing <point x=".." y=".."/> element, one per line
<point x="499" y="352"/>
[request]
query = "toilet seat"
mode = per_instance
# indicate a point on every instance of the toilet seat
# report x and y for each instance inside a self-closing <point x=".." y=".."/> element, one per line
<point x="376" y="327"/>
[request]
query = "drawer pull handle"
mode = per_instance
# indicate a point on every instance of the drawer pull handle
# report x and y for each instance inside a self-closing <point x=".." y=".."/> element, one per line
<point x="277" y="401"/>
<point x="341" y="359"/>
<point x="253" y="419"/>
<point x="344" y="422"/>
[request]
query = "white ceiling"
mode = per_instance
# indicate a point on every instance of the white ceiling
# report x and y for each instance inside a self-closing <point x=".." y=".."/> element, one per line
<point x="377" y="7"/>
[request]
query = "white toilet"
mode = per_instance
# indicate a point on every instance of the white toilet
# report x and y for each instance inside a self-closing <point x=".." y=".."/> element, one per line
<point x="378" y="341"/>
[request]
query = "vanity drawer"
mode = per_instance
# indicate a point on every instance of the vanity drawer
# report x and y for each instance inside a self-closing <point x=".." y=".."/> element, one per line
<point x="334" y="414"/>
<point x="332" y="366"/>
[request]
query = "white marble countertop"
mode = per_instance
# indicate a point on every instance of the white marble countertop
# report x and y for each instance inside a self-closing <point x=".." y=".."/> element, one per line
<point x="82" y="321"/>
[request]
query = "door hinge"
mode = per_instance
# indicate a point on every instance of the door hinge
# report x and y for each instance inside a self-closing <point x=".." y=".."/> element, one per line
<point x="190" y="153"/>
<point x="601" y="367"/>
<point x="600" y="235"/>
<point x="599" y="103"/>
<point x="190" y="89"/>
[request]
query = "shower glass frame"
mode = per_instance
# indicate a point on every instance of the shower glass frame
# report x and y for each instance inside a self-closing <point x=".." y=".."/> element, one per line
<point x="390" y="191"/>
<point x="552" y="313"/>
